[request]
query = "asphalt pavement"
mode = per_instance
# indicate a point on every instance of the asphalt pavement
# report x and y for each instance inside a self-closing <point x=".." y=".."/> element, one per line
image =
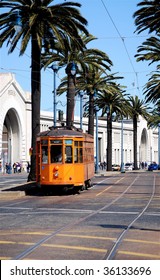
<point x="17" y="182"/>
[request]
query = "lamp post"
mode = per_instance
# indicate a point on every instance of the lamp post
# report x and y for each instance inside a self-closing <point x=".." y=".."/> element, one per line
<point x="10" y="151"/>
<point x="122" y="160"/>
<point x="55" y="68"/>
<point x="159" y="144"/>
<point x="97" y="148"/>
<point x="81" y="109"/>
<point x="18" y="23"/>
<point x="109" y="140"/>
<point x="151" y="153"/>
<point x="71" y="71"/>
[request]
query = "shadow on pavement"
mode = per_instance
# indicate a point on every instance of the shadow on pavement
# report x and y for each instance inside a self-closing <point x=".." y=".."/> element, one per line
<point x="33" y="189"/>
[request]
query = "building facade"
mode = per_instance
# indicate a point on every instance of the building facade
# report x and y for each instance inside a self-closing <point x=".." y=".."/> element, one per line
<point x="15" y="129"/>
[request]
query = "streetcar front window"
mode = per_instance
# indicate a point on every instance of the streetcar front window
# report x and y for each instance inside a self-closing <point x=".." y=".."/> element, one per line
<point x="56" y="153"/>
<point x="44" y="154"/>
<point x="68" y="154"/>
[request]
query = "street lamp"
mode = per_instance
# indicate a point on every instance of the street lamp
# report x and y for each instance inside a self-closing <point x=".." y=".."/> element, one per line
<point x="108" y="139"/>
<point x="10" y="151"/>
<point x="159" y="144"/>
<point x="81" y="109"/>
<point x="18" y="22"/>
<point x="71" y="71"/>
<point x="55" y="68"/>
<point x="97" y="148"/>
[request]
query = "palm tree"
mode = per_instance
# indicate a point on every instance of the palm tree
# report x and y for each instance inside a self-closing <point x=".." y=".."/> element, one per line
<point x="152" y="88"/>
<point x="136" y="107"/>
<point x="148" y="16"/>
<point x="42" y="24"/>
<point x="149" y="51"/>
<point x="84" y="56"/>
<point x="86" y="60"/>
<point x="111" y="101"/>
<point x="92" y="82"/>
<point x="154" y="118"/>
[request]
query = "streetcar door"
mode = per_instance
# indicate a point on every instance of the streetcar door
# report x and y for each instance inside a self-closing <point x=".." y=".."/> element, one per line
<point x="38" y="162"/>
<point x="44" y="160"/>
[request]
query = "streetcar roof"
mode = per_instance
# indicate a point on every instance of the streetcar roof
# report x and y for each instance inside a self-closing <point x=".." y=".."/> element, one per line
<point x="64" y="131"/>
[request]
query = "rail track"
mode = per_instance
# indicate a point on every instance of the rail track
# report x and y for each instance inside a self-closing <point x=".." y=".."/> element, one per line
<point x="107" y="194"/>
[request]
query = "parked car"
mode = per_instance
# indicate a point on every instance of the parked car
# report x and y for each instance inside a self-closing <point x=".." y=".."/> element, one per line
<point x="128" y="166"/>
<point x="116" y="167"/>
<point x="153" y="166"/>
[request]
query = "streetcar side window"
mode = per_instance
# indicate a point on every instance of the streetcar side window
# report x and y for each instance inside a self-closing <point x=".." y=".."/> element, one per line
<point x="88" y="153"/>
<point x="44" y="154"/>
<point x="75" y="154"/>
<point x="68" y="154"/>
<point x="56" y="153"/>
<point x="78" y="152"/>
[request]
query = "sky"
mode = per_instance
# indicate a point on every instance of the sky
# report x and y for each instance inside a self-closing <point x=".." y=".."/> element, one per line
<point x="112" y="23"/>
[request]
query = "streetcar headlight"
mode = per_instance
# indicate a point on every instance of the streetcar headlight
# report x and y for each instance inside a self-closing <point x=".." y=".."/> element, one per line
<point x="56" y="174"/>
<point x="56" y="168"/>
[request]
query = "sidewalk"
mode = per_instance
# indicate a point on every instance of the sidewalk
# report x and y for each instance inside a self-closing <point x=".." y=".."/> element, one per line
<point x="111" y="173"/>
<point x="14" y="183"/>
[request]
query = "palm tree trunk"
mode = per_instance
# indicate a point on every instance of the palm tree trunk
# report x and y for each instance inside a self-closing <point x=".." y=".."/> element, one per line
<point x="109" y="142"/>
<point x="91" y="115"/>
<point x="135" y="142"/>
<point x="70" y="101"/>
<point x="36" y="98"/>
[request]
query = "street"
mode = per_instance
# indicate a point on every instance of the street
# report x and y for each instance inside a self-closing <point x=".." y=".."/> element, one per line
<point x="118" y="218"/>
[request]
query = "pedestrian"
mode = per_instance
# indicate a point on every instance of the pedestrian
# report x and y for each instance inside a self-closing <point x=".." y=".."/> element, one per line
<point x="14" y="167"/>
<point x="18" y="167"/>
<point x="28" y="167"/>
<point x="9" y="168"/>
<point x="6" y="167"/>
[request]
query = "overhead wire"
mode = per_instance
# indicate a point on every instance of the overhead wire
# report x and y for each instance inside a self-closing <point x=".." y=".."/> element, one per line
<point x="119" y="36"/>
<point x="122" y="38"/>
<point x="126" y="37"/>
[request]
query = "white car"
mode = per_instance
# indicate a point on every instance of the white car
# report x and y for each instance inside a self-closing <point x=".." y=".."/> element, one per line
<point x="128" y="166"/>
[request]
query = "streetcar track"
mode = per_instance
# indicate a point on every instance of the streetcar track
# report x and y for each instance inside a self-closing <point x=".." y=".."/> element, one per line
<point x="114" y="248"/>
<point x="95" y="212"/>
<point x="89" y="214"/>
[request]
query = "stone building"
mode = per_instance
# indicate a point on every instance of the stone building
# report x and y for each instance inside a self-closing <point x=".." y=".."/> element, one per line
<point x="15" y="129"/>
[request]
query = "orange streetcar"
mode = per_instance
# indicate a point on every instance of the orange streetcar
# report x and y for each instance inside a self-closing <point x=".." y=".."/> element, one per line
<point x="65" y="158"/>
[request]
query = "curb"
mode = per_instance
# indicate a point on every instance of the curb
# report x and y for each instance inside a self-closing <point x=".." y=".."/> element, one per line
<point x="19" y="190"/>
<point x="12" y="194"/>
<point x="111" y="173"/>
